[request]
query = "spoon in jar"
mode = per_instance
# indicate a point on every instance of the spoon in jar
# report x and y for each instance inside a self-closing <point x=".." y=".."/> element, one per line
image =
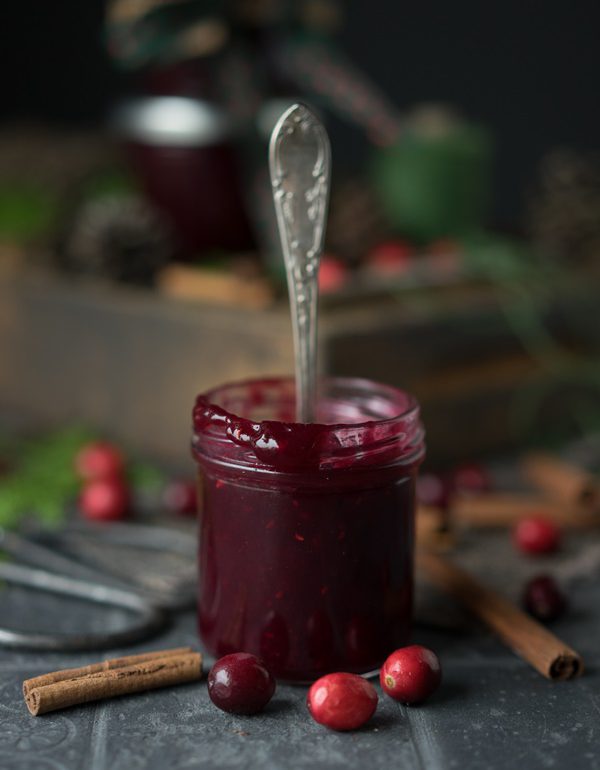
<point x="300" y="164"/>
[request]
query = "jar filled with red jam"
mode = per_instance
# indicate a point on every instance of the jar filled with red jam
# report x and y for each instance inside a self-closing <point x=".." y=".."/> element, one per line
<point x="307" y="530"/>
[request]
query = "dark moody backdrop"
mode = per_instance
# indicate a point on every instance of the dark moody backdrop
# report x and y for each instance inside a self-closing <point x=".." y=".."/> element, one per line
<point x="527" y="69"/>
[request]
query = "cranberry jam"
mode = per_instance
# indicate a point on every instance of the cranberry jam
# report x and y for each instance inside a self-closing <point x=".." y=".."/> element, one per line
<point x="306" y="530"/>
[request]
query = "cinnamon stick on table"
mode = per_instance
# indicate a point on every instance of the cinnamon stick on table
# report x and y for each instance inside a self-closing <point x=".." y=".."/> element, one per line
<point x="525" y="636"/>
<point x="562" y="481"/>
<point x="505" y="509"/>
<point x="118" y="676"/>
<point x="431" y="528"/>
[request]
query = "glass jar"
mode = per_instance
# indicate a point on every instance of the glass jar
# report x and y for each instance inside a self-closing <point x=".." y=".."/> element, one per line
<point x="182" y="153"/>
<point x="306" y="530"/>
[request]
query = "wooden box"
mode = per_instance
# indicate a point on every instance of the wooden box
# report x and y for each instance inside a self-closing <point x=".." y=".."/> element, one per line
<point x="130" y="362"/>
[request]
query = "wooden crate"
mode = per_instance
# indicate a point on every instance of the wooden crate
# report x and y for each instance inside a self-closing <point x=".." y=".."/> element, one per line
<point x="130" y="361"/>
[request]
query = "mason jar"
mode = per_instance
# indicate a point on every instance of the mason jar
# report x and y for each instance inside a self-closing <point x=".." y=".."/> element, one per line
<point x="306" y="531"/>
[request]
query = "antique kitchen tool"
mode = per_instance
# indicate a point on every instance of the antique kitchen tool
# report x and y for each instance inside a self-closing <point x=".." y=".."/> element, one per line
<point x="81" y="574"/>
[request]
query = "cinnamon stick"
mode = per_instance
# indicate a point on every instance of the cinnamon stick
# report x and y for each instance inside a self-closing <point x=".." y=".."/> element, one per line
<point x="525" y="636"/>
<point x="431" y="528"/>
<point x="105" y="665"/>
<point x="562" y="481"/>
<point x="504" y="510"/>
<point x="112" y="679"/>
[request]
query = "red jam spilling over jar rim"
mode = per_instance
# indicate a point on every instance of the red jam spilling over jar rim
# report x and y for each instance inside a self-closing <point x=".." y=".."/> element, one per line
<point x="360" y="424"/>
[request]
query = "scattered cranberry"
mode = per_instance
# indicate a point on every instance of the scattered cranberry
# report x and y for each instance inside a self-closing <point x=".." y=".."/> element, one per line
<point x="342" y="701"/>
<point x="179" y="496"/>
<point x="333" y="274"/>
<point x="391" y="257"/>
<point x="433" y="490"/>
<point x="104" y="500"/>
<point x="471" y="479"/>
<point x="240" y="684"/>
<point x="536" y="535"/>
<point x="99" y="460"/>
<point x="543" y="599"/>
<point x="411" y="674"/>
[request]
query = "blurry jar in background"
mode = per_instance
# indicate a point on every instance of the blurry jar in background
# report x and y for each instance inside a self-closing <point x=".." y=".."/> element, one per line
<point x="181" y="152"/>
<point x="434" y="182"/>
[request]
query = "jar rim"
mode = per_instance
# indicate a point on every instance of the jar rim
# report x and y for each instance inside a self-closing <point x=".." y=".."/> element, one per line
<point x="209" y="395"/>
<point x="389" y="428"/>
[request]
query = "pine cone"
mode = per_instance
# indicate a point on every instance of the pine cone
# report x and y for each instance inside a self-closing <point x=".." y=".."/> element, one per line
<point x="356" y="222"/>
<point x="565" y="213"/>
<point x="122" y="239"/>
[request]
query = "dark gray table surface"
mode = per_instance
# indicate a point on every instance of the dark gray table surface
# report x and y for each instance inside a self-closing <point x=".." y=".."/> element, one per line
<point x="492" y="710"/>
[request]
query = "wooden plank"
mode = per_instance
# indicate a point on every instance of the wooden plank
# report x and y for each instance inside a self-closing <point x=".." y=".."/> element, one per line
<point x="126" y="361"/>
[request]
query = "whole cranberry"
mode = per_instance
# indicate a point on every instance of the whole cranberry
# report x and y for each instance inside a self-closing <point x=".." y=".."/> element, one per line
<point x="433" y="490"/>
<point x="99" y="460"/>
<point x="179" y="496"/>
<point x="240" y="684"/>
<point x="390" y="257"/>
<point x="536" y="535"/>
<point x="342" y="701"/>
<point x="104" y="500"/>
<point x="471" y="479"/>
<point x="411" y="674"/>
<point x="543" y="599"/>
<point x="333" y="274"/>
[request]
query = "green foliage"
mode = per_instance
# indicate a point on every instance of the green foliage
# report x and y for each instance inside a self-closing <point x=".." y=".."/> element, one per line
<point x="43" y="479"/>
<point x="145" y="477"/>
<point x="110" y="183"/>
<point x="566" y="398"/>
<point x="26" y="211"/>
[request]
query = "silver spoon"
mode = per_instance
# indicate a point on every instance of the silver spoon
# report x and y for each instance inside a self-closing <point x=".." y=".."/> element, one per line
<point x="300" y="163"/>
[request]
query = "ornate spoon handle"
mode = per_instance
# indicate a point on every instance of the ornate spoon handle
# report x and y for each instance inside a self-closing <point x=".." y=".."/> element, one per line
<point x="300" y="163"/>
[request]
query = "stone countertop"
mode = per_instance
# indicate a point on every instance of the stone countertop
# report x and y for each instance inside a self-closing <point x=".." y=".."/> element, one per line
<point x="492" y="711"/>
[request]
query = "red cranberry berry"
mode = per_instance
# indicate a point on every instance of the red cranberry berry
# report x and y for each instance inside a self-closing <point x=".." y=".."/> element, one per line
<point x="342" y="701"/>
<point x="433" y="490"/>
<point x="536" y="535"/>
<point x="240" y="684"/>
<point x="390" y="257"/>
<point x="411" y="674"/>
<point x="333" y="274"/>
<point x="104" y="500"/>
<point x="471" y="479"/>
<point x="543" y="599"/>
<point x="179" y="496"/>
<point x="99" y="460"/>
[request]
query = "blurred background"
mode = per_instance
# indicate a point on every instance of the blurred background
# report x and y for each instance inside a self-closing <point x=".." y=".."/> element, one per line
<point x="139" y="263"/>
